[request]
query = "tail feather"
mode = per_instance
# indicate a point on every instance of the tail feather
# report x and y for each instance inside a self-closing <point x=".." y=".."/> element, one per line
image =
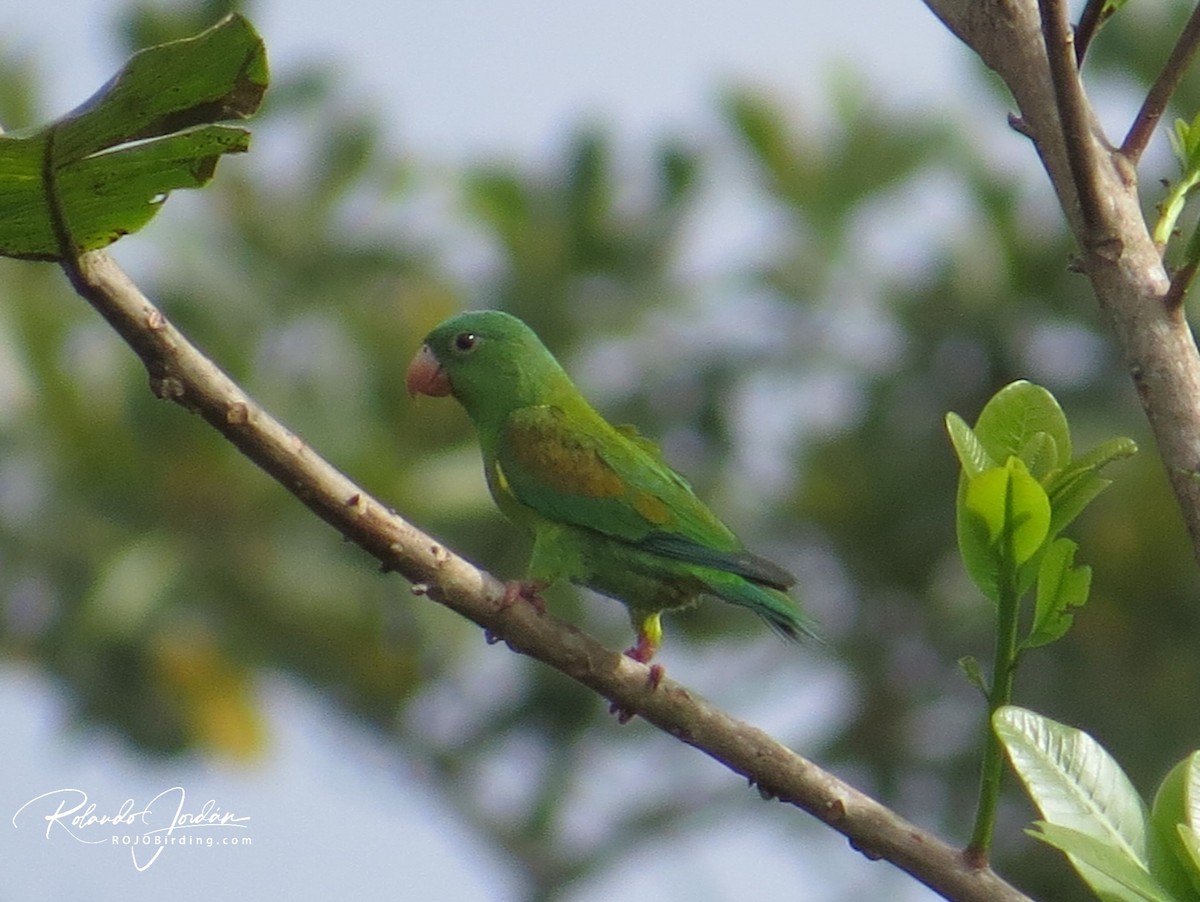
<point x="780" y="611"/>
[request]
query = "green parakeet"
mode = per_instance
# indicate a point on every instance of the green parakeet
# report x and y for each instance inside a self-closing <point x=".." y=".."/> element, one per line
<point x="605" y="510"/>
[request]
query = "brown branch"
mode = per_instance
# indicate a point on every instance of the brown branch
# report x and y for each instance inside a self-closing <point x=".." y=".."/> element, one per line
<point x="1180" y="283"/>
<point x="1164" y="86"/>
<point x="1090" y="21"/>
<point x="179" y="372"/>
<point x="1075" y="118"/>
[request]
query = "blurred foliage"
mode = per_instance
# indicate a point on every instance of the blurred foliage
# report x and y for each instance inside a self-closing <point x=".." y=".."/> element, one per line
<point x="161" y="579"/>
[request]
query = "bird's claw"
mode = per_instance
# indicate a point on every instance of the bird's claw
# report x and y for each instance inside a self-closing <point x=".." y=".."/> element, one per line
<point x="642" y="651"/>
<point x="653" y="679"/>
<point x="624" y="715"/>
<point x="657" y="672"/>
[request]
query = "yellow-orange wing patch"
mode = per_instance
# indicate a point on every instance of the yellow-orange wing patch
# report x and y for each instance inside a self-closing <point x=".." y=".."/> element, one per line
<point x="561" y="462"/>
<point x="652" y="508"/>
<point x="577" y="469"/>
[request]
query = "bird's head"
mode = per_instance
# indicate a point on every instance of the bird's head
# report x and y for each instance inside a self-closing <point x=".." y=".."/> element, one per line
<point x="489" y="360"/>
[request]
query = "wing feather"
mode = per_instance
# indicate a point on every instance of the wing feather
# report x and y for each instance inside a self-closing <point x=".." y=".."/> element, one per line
<point x="578" y="469"/>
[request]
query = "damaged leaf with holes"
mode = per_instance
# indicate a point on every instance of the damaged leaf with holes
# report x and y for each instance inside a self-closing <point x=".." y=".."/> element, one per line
<point x="103" y="170"/>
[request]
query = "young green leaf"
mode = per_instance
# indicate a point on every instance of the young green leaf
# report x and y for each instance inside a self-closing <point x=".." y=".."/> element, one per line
<point x="103" y="170"/>
<point x="1015" y="414"/>
<point x="1040" y="455"/>
<point x="973" y="672"/>
<point x="1060" y="586"/>
<point x="1073" y="496"/>
<point x="1074" y="487"/>
<point x="1076" y="784"/>
<point x="1015" y="508"/>
<point x="1106" y="452"/>
<point x="1176" y="816"/>
<point x="1003" y="516"/>
<point x="1189" y="838"/>
<point x="1120" y="878"/>
<point x="1185" y="142"/>
<point x="976" y="549"/>
<point x="972" y="456"/>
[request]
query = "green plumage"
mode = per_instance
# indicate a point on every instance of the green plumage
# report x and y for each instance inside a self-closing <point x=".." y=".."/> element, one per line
<point x="604" y="508"/>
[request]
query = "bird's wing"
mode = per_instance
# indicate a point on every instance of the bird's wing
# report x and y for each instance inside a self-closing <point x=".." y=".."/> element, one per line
<point x="573" y="467"/>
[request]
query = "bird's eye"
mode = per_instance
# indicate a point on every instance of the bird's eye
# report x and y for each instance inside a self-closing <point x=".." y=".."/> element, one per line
<point x="465" y="341"/>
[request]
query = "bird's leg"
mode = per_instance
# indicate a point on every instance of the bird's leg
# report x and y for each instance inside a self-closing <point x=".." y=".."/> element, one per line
<point x="643" y="650"/>
<point x="524" y="590"/>
<point x="649" y="638"/>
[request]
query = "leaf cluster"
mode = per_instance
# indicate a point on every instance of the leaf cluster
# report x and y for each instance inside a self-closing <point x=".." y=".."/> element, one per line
<point x="1021" y="485"/>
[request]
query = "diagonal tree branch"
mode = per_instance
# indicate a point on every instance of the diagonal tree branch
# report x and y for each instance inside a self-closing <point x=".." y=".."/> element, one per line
<point x="179" y="372"/>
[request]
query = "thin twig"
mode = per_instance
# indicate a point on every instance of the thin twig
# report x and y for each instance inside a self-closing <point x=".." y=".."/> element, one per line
<point x="179" y="372"/>
<point x="1181" y="281"/>
<point x="1090" y="21"/>
<point x="1073" y="114"/>
<point x="1004" y="672"/>
<point x="1162" y="89"/>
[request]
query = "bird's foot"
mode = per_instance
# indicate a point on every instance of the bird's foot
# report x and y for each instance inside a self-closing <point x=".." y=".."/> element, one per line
<point x="643" y="650"/>
<point x="641" y="653"/>
<point x="657" y="672"/>
<point x="528" y="590"/>
<point x="624" y="715"/>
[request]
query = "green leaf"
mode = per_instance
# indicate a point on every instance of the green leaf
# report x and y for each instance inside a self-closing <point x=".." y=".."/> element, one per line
<point x="1189" y="838"/>
<point x="1073" y="488"/>
<point x="978" y="554"/>
<point x="1014" y="416"/>
<point x="1060" y="587"/>
<point x="1003" y="516"/>
<point x="1014" y="506"/>
<point x="1073" y="496"/>
<point x="1133" y="883"/>
<point x="972" y="456"/>
<point x="973" y="672"/>
<point x="1040" y="455"/>
<point x="1106" y="452"/>
<point x="1076" y="785"/>
<point x="103" y="170"/>
<point x="1176" y="816"/>
<point x="1185" y="142"/>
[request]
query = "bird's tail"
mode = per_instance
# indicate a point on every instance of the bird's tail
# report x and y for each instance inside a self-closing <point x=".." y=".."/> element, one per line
<point x="781" y="612"/>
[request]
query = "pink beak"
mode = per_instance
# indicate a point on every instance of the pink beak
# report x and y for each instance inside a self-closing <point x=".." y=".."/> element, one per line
<point x="425" y="375"/>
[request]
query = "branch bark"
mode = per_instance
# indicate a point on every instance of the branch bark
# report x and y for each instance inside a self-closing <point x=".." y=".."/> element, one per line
<point x="180" y="373"/>
<point x="1118" y="254"/>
